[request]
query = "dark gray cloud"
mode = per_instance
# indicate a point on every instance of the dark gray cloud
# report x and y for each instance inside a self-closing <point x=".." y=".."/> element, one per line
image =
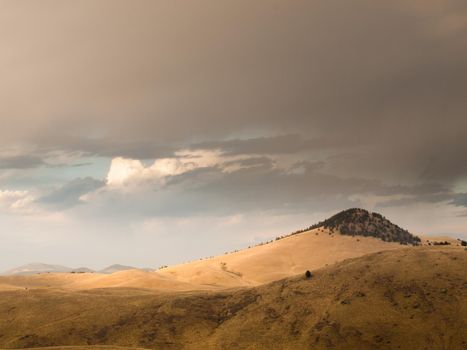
<point x="425" y="198"/>
<point x="280" y="144"/>
<point x="318" y="105"/>
<point x="373" y="91"/>
<point x="386" y="80"/>
<point x="69" y="194"/>
<point x="257" y="187"/>
<point x="21" y="162"/>
<point x="110" y="147"/>
<point x="251" y="162"/>
<point x="460" y="200"/>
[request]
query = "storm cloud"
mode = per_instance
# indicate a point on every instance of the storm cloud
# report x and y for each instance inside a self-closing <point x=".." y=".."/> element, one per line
<point x="223" y="108"/>
<point x="150" y="75"/>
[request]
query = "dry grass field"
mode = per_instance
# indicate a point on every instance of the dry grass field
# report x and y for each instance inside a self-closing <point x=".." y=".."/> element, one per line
<point x="413" y="298"/>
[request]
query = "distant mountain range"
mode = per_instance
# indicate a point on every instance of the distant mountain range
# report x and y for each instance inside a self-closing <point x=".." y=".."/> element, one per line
<point x="34" y="268"/>
<point x="37" y="268"/>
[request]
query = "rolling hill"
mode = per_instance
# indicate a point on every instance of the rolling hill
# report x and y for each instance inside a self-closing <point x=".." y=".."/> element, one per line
<point x="413" y="298"/>
<point x="282" y="258"/>
<point x="116" y="268"/>
<point x="34" y="268"/>
<point x="320" y="245"/>
<point x="373" y="286"/>
<point x="250" y="267"/>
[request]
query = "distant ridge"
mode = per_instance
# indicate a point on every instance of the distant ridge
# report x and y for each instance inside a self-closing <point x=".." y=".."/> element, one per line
<point x="361" y="222"/>
<point x="115" y="268"/>
<point x="34" y="268"/>
<point x="38" y="268"/>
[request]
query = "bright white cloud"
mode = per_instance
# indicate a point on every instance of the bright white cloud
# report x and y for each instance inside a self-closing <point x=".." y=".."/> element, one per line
<point x="125" y="172"/>
<point x="122" y="170"/>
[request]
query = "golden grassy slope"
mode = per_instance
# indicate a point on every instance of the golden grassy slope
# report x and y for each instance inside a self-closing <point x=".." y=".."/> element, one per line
<point x="83" y="281"/>
<point x="413" y="298"/>
<point x="279" y="259"/>
<point x="250" y="267"/>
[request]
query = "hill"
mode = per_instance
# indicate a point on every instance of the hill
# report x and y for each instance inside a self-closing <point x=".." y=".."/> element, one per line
<point x="360" y="222"/>
<point x="116" y="268"/>
<point x="41" y="268"/>
<point x="35" y="268"/>
<point x="402" y="299"/>
<point x="279" y="259"/>
<point x="250" y="267"/>
<point x="38" y="268"/>
<point x="349" y="234"/>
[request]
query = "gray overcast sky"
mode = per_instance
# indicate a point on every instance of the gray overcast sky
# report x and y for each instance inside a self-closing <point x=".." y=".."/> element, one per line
<point x="152" y="132"/>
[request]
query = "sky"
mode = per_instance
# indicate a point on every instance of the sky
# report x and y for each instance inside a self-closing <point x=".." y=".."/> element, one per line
<point x="150" y="133"/>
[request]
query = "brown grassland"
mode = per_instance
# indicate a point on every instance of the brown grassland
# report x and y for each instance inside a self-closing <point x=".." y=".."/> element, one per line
<point x="408" y="298"/>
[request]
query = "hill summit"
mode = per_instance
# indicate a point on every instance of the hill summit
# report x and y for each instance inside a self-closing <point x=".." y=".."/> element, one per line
<point x="361" y="222"/>
<point x="116" y="268"/>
